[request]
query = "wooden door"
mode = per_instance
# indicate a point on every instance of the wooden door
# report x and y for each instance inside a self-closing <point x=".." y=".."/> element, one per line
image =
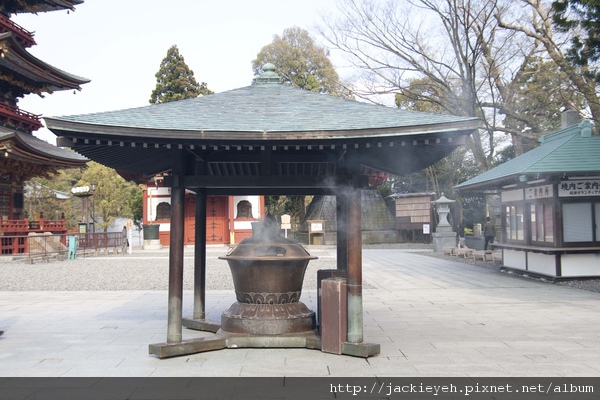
<point x="217" y="228"/>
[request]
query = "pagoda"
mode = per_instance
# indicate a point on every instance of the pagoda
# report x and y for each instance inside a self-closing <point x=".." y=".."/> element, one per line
<point x="22" y="155"/>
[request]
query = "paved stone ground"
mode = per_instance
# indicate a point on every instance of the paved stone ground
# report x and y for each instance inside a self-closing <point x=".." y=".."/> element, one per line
<point x="432" y="317"/>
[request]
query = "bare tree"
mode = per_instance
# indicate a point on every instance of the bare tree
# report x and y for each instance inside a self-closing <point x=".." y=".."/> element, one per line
<point x="539" y="27"/>
<point x="451" y="53"/>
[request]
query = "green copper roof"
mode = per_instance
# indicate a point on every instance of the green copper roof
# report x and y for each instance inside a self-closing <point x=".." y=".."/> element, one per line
<point x="265" y="129"/>
<point x="573" y="150"/>
<point x="265" y="107"/>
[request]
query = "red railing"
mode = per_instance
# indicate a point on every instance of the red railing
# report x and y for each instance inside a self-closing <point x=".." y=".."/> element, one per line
<point x="11" y="226"/>
<point x="23" y="36"/>
<point x="19" y="118"/>
<point x="14" y="225"/>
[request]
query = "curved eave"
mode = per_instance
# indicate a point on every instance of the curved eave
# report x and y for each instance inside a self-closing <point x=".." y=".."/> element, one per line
<point x="20" y="61"/>
<point x="394" y="155"/>
<point x="35" y="6"/>
<point x="29" y="148"/>
<point x="85" y="130"/>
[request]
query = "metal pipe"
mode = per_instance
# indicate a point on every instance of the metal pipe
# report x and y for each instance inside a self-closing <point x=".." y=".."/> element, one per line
<point x="175" y="307"/>
<point x="355" y="305"/>
<point x="341" y="208"/>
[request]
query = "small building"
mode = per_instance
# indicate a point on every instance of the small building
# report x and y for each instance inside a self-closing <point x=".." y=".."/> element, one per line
<point x="550" y="204"/>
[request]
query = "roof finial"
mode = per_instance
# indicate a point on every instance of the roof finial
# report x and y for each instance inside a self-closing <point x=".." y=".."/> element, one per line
<point x="268" y="75"/>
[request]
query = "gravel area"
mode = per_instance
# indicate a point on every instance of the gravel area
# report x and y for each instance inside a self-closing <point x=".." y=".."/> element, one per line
<point x="144" y="270"/>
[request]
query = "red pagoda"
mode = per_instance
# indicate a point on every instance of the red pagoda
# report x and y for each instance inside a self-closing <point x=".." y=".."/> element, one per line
<point x="22" y="155"/>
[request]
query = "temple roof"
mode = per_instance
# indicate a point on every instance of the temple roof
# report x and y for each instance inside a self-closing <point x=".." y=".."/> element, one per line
<point x="573" y="150"/>
<point x="34" y="75"/>
<point x="26" y="147"/>
<point x="35" y="6"/>
<point x="263" y="112"/>
<point x="238" y="132"/>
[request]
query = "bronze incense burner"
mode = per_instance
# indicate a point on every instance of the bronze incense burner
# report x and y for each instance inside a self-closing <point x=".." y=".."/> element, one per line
<point x="268" y="271"/>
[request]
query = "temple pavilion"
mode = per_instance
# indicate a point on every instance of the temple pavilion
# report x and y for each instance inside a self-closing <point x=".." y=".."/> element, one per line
<point x="264" y="139"/>
<point x="22" y="155"/>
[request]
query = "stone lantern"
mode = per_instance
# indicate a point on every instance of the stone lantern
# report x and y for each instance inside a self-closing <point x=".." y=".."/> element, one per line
<point x="443" y="236"/>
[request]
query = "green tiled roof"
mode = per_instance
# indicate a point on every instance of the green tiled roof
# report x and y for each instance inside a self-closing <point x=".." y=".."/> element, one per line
<point x="570" y="150"/>
<point x="267" y="107"/>
<point x="240" y="130"/>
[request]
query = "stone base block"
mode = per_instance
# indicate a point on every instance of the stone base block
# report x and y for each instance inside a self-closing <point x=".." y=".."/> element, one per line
<point x="152" y="245"/>
<point x="443" y="239"/>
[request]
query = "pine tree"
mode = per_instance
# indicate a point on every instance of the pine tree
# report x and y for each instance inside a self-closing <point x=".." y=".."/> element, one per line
<point x="581" y="17"/>
<point x="175" y="80"/>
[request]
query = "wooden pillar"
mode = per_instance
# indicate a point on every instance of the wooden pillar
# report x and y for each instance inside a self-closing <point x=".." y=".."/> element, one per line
<point x="200" y="256"/>
<point x="341" y="208"/>
<point x="355" y="303"/>
<point x="175" y="307"/>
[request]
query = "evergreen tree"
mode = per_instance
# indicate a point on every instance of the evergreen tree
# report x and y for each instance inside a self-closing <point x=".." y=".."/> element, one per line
<point x="300" y="61"/>
<point x="175" y="80"/>
<point x="582" y="17"/>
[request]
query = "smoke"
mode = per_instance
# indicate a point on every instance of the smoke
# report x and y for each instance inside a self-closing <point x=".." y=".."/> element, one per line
<point x="344" y="194"/>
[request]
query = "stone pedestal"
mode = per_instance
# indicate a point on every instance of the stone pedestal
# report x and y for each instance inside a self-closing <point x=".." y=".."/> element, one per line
<point x="153" y="244"/>
<point x="443" y="239"/>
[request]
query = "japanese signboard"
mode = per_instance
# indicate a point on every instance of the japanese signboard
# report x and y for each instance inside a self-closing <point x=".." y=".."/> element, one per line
<point x="539" y="192"/>
<point x="316" y="226"/>
<point x="577" y="188"/>
<point x="413" y="211"/>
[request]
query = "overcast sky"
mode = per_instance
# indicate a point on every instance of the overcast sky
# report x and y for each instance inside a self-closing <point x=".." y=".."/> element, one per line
<point x="119" y="45"/>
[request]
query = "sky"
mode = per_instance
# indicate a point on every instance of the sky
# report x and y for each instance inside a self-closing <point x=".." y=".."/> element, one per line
<point x="119" y="44"/>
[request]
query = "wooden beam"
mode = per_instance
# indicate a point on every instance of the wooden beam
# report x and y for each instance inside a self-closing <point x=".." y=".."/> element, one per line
<point x="272" y="182"/>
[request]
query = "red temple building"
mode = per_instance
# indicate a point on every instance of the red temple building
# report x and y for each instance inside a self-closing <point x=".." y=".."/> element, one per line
<point x="228" y="219"/>
<point x="22" y="155"/>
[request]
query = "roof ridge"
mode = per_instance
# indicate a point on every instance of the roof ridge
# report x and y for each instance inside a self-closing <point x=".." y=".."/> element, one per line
<point x="560" y="142"/>
<point x="583" y="128"/>
<point x="519" y="164"/>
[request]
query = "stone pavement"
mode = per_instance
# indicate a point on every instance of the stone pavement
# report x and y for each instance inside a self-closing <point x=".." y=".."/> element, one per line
<point x="431" y="317"/>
